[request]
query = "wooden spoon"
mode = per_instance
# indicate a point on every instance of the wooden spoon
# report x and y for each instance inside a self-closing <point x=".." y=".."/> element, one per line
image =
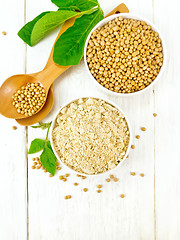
<point x="45" y="77"/>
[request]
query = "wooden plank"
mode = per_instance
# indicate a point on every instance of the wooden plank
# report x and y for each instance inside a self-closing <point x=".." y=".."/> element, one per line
<point x="13" y="177"/>
<point x="43" y="194"/>
<point x="167" y="129"/>
<point x="89" y="215"/>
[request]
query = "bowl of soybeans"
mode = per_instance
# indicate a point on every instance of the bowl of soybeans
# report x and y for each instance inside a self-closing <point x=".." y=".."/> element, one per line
<point x="125" y="54"/>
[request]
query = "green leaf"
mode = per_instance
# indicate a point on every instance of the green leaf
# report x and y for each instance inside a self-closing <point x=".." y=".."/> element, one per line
<point x="35" y="30"/>
<point x="48" y="160"/>
<point x="43" y="125"/>
<point x="36" y="145"/>
<point x="49" y="22"/>
<point x="49" y="145"/>
<point x="25" y="32"/>
<point x="69" y="48"/>
<point x="74" y="8"/>
<point x="81" y="5"/>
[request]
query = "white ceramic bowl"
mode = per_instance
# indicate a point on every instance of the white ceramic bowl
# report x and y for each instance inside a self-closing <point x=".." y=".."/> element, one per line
<point x="70" y="169"/>
<point x="127" y="15"/>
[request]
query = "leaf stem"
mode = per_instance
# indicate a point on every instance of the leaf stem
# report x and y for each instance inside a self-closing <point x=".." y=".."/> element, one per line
<point x="47" y="133"/>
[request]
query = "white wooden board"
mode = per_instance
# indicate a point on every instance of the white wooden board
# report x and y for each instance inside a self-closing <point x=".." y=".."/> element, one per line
<point x="150" y="209"/>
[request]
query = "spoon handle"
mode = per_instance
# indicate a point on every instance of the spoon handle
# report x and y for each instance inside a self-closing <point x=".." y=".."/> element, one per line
<point x="49" y="74"/>
<point x="121" y="8"/>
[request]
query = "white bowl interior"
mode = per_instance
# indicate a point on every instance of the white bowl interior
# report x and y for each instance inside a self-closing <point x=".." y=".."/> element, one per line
<point x="127" y="15"/>
<point x="70" y="169"/>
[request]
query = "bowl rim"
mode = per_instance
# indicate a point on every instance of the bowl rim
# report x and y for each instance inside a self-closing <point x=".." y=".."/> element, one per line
<point x="137" y="17"/>
<point x="84" y="174"/>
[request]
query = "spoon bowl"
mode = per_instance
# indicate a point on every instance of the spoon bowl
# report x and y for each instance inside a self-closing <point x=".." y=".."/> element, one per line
<point x="7" y="90"/>
<point x="46" y="77"/>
